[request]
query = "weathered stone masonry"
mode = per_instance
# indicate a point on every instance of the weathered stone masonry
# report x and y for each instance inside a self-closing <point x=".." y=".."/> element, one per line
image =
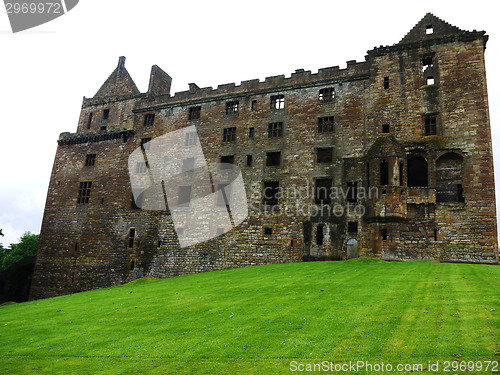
<point x="392" y="158"/>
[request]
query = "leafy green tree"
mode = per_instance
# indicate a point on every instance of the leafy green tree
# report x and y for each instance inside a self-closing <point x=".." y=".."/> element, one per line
<point x="27" y="246"/>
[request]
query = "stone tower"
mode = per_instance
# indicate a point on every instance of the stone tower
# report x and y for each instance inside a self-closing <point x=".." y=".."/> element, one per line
<point x="390" y="157"/>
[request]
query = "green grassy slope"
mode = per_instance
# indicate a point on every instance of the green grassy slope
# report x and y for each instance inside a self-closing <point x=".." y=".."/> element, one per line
<point x="257" y="320"/>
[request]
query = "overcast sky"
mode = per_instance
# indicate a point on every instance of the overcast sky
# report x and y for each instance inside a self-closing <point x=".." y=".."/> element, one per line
<point x="46" y="71"/>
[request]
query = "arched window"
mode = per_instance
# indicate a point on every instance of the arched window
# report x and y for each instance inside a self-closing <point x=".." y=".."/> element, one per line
<point x="417" y="172"/>
<point x="449" y="181"/>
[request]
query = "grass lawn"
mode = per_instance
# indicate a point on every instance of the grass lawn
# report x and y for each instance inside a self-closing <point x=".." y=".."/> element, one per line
<point x="258" y="320"/>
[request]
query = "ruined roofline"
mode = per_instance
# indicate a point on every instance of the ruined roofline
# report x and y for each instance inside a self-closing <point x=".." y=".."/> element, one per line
<point x="300" y="78"/>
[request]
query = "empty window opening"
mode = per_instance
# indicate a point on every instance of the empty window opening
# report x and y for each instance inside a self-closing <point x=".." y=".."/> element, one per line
<point x="223" y="195"/>
<point x="429" y="30"/>
<point x="271" y="193"/>
<point x="325" y="124"/>
<point x="385" y="128"/>
<point x="386" y="83"/>
<point x="131" y="237"/>
<point x="145" y="143"/>
<point x="323" y="191"/>
<point x="273" y="159"/>
<point x="324" y="155"/>
<point x="84" y="192"/>
<point x="149" y="119"/>
<point x="102" y="200"/>
<point x="141" y="168"/>
<point x="89" y="121"/>
<point x="401" y="174"/>
<point x="254" y="105"/>
<point x="225" y="160"/>
<point x="427" y="63"/>
<point x="184" y="198"/>
<point x="251" y="132"/>
<point x="327" y="94"/>
<point x="194" y="113"/>
<point x="352" y="192"/>
<point x="268" y="231"/>
<point x="352" y="227"/>
<point x="132" y="265"/>
<point x="277" y="101"/>
<point x="73" y="277"/>
<point x="229" y="134"/>
<point x="249" y="160"/>
<point x="105" y="114"/>
<point x="430" y="125"/>
<point x="435" y="234"/>
<point x="187" y="164"/>
<point x="320" y="234"/>
<point x="383" y="234"/>
<point x="76" y="246"/>
<point x="275" y="130"/>
<point x="191" y="138"/>
<point x="384" y="173"/>
<point x="232" y="107"/>
<point x="429" y="80"/>
<point x="292" y="242"/>
<point x="417" y="172"/>
<point x="90" y="160"/>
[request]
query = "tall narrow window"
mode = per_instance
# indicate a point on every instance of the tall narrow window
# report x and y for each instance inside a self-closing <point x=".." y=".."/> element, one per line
<point x="249" y="160"/>
<point x="90" y="160"/>
<point x="430" y="124"/>
<point x="275" y="130"/>
<point x="383" y="234"/>
<point x="131" y="237"/>
<point x="327" y="94"/>
<point x="320" y="234"/>
<point x="232" y="107"/>
<point x="105" y="114"/>
<point x="84" y="192"/>
<point x="323" y="191"/>
<point x="386" y="83"/>
<point x="194" y="113"/>
<point x="229" y="134"/>
<point x="149" y="119"/>
<point x="325" y="124"/>
<point x="251" y="132"/>
<point x="271" y="193"/>
<point x="417" y="172"/>
<point x="427" y="62"/>
<point x="277" y="101"/>
<point x="384" y="173"/>
<point x="401" y="173"/>
<point x="324" y="155"/>
<point x="89" y="121"/>
<point x="273" y="159"/>
<point x="254" y="105"/>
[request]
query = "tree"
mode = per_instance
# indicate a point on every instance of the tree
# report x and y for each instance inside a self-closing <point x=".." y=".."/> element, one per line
<point x="26" y="247"/>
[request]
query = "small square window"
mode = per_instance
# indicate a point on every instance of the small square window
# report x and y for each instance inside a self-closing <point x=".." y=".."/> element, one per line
<point x="325" y="124"/>
<point x="327" y="94"/>
<point x="273" y="159"/>
<point x="352" y="227"/>
<point x="194" y="113"/>
<point x="268" y="231"/>
<point x="429" y="29"/>
<point x="232" y="107"/>
<point x="385" y="128"/>
<point x="229" y="134"/>
<point x="277" y="101"/>
<point x="149" y="119"/>
<point x="90" y="160"/>
<point x="429" y="80"/>
<point x="275" y="130"/>
<point x="324" y="155"/>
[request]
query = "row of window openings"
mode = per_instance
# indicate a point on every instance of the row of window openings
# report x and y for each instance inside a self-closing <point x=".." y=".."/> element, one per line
<point x="427" y="64"/>
<point x="429" y="80"/>
<point x="104" y="121"/>
<point x="352" y="227"/>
